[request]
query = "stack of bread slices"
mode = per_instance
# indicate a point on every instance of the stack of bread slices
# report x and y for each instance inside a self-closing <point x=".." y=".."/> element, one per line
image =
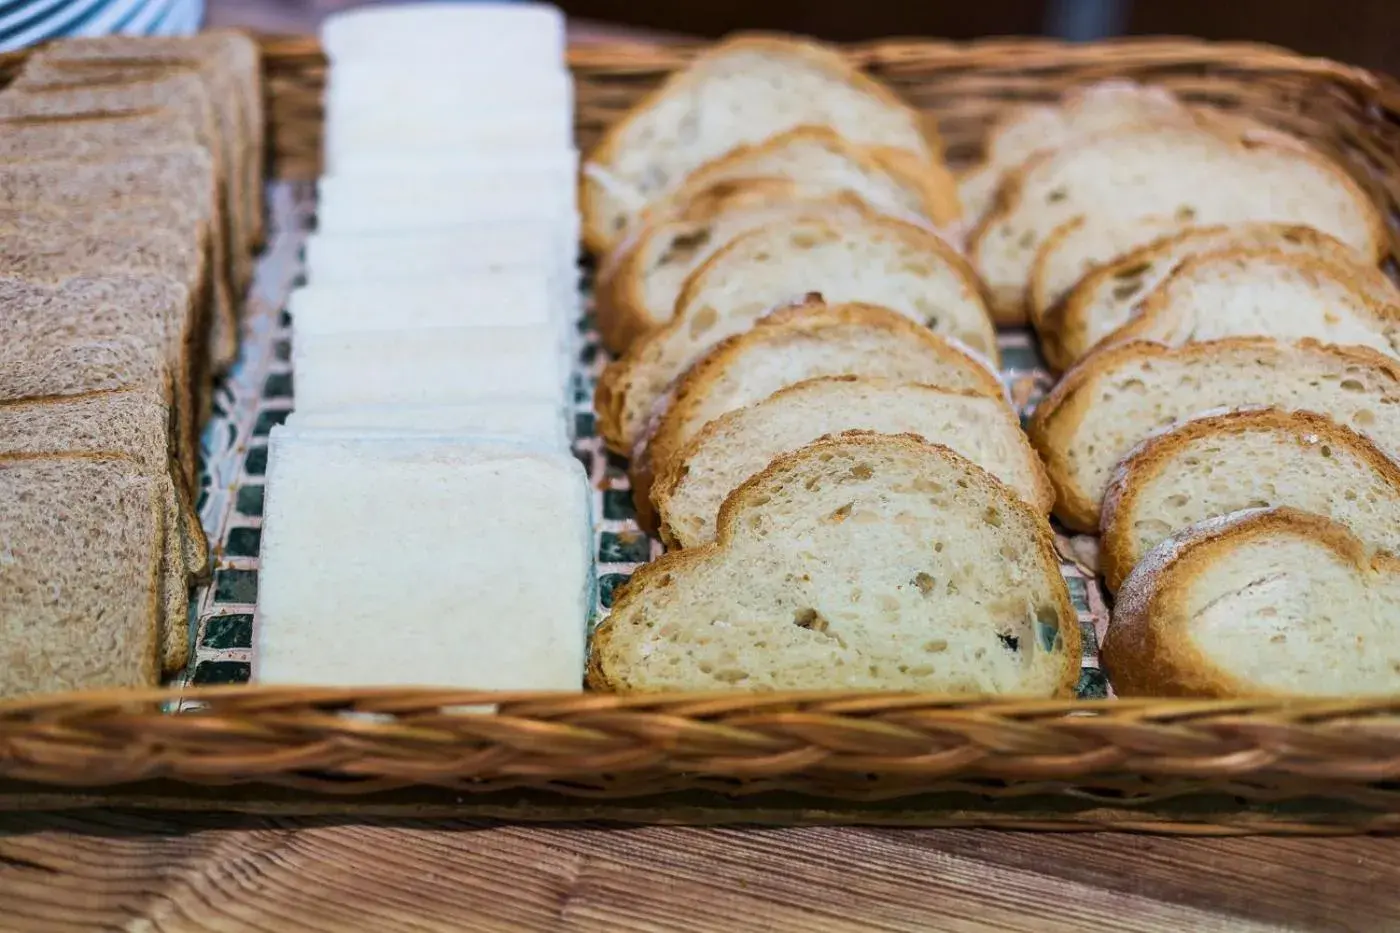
<point x="1229" y="409"/>
<point x="805" y="383"/>
<point x="424" y="486"/>
<point x="130" y="206"/>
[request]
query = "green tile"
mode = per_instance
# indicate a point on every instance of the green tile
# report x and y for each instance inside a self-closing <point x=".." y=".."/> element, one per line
<point x="256" y="461"/>
<point x="608" y="584"/>
<point x="230" y="631"/>
<point x="1078" y="593"/>
<point x="617" y="505"/>
<point x="268" y="420"/>
<point x="236" y="586"/>
<point x="1093" y="685"/>
<point x="582" y="389"/>
<point x="223" y="672"/>
<point x="617" y="466"/>
<point x="250" y="500"/>
<point x="278" y="385"/>
<point x="584" y="424"/>
<point x="626" y="547"/>
<point x="283" y="350"/>
<point x="588" y="354"/>
<point x="284" y="320"/>
<point x="243" y="542"/>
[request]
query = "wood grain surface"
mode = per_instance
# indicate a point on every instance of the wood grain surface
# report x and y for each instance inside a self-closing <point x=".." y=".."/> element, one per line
<point x="105" y="870"/>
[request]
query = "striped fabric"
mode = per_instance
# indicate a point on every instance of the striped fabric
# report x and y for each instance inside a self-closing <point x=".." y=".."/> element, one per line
<point x="27" y="22"/>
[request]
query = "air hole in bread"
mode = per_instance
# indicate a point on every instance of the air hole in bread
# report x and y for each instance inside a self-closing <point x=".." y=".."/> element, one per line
<point x="1353" y="385"/>
<point x="861" y="471"/>
<point x="1178" y="500"/>
<point x="1364" y="418"/>
<point x="843" y="513"/>
<point x="925" y="583"/>
<point x="762" y="257"/>
<point x="1126" y="291"/>
<point x="666" y="580"/>
<point x="1185" y="213"/>
<point x="704" y="319"/>
<point x="937" y="646"/>
<point x="951" y="589"/>
<point x="811" y="620"/>
<point x="1135" y="271"/>
<point x="1010" y="642"/>
<point x="731" y="676"/>
<point x="992" y="516"/>
<point x="1056" y="195"/>
<point x="684" y="245"/>
<point x="1027" y="240"/>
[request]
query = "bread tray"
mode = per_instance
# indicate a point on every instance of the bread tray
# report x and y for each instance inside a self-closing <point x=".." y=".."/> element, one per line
<point x="210" y="741"/>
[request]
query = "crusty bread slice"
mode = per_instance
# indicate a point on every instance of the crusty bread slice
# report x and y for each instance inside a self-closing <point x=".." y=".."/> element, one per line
<point x="1119" y="395"/>
<point x="739" y="92"/>
<point x="1271" y="602"/>
<point x="1087" y="111"/>
<point x="1206" y="176"/>
<point x="862" y="561"/>
<point x="793" y="345"/>
<point x="1240" y="293"/>
<point x="1247" y="459"/>
<point x="730" y="449"/>
<point x="879" y="261"/>
<point x="636" y="287"/>
<point x="80" y="582"/>
<point x="1108" y="296"/>
<point x="135" y="425"/>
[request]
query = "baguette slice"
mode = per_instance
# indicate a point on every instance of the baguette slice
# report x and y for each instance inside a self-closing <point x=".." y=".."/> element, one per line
<point x="1107" y="297"/>
<point x="80" y="582"/>
<point x="1264" y="602"/>
<point x="1247" y="459"/>
<point x="793" y="345"/>
<point x="636" y="288"/>
<point x="1238" y="293"/>
<point x="876" y="260"/>
<point x="862" y="561"/>
<point x="740" y="444"/>
<point x="1197" y="174"/>
<point x="1115" y="398"/>
<point x="739" y="92"/>
<point x="1088" y="111"/>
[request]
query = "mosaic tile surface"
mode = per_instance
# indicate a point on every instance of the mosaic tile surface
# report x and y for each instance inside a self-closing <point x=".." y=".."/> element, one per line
<point x="258" y="395"/>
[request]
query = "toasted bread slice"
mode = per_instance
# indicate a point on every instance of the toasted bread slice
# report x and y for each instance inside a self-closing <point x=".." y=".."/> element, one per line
<point x="739" y="92"/>
<point x="1241" y="293"/>
<point x="1196" y="174"/>
<point x="1087" y="111"/>
<point x="735" y="446"/>
<point x="790" y="346"/>
<point x="887" y="563"/>
<point x="1271" y="602"/>
<point x="1247" y="459"/>
<point x="1115" y="398"/>
<point x="880" y="261"/>
<point x="636" y="288"/>
<point x="1107" y="297"/>
<point x="80" y="583"/>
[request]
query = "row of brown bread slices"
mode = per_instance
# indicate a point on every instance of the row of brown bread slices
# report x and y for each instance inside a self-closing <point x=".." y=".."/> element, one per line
<point x="130" y="208"/>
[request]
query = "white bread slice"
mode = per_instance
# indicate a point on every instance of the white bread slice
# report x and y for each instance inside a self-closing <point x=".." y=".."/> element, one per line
<point x="863" y="561"/>
<point x="508" y="298"/>
<point x="791" y="346"/>
<point x="637" y="285"/>
<point x="736" y="93"/>
<point x="541" y="422"/>
<point x="878" y="261"/>
<point x="738" y="445"/>
<point x="1240" y="293"/>
<point x="1260" y="603"/>
<point x="471" y="526"/>
<point x="1247" y="459"/>
<point x="1087" y="111"/>
<point x="1115" y="398"/>
<point x="1206" y="176"/>
<point x="80" y="578"/>
<point x="417" y="204"/>
<point x="486" y="35"/>
<point x="333" y="259"/>
<point x="1107" y="297"/>
<point x="547" y="166"/>
<point x="538" y="129"/>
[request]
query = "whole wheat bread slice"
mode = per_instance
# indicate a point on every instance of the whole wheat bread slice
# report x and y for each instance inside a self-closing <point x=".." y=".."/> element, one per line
<point x="80" y="585"/>
<point x="1107" y="297"/>
<point x="879" y="261"/>
<point x="737" y="93"/>
<point x="1247" y="459"/>
<point x="738" y="445"/>
<point x="1118" y="396"/>
<point x="1193" y="174"/>
<point x="1260" y="603"/>
<point x="859" y="562"/>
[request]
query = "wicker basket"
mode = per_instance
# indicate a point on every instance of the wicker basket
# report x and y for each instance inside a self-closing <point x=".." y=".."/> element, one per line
<point x="1182" y="766"/>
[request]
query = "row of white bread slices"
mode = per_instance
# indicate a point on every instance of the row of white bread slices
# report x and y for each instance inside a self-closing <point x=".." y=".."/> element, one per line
<point x="807" y="392"/>
<point x="423" y="493"/>
<point x="1212" y="288"/>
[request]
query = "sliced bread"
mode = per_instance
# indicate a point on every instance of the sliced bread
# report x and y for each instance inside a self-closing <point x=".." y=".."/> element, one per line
<point x="1260" y="603"/>
<point x="738" y="92"/>
<point x="862" y="561"/>
<point x="1107" y="297"/>
<point x="875" y="260"/>
<point x="1196" y="174"/>
<point x="1240" y="293"/>
<point x="730" y="449"/>
<point x="1116" y="397"/>
<point x="80" y="578"/>
<point x="790" y="346"/>
<point x="1246" y="459"/>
